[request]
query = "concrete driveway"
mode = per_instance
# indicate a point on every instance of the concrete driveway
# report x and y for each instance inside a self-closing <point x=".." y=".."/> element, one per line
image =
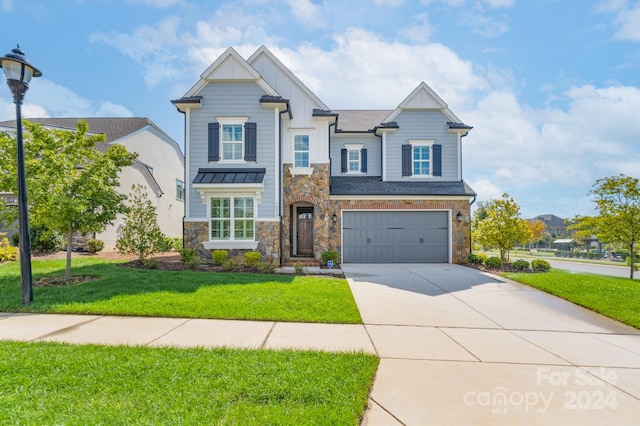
<point x="461" y="347"/>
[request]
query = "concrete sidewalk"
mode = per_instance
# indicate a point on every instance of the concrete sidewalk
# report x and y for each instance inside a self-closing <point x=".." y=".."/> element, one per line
<point x="459" y="347"/>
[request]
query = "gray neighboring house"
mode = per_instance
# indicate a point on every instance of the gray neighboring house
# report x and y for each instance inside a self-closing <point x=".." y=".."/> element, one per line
<point x="159" y="166"/>
<point x="270" y="167"/>
<point x="555" y="225"/>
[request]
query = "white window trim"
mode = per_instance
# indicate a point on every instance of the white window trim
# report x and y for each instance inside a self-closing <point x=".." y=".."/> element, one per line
<point x="354" y="147"/>
<point x="306" y="171"/>
<point x="230" y="121"/>
<point x="421" y="143"/>
<point x="184" y="190"/>
<point x="231" y="243"/>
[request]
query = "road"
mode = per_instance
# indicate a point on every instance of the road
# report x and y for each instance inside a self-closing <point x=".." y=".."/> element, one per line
<point x="613" y="270"/>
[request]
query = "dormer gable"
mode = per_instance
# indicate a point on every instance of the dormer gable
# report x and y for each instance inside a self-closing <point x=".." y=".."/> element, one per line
<point x="423" y="98"/>
<point x="275" y="79"/>
<point x="230" y="66"/>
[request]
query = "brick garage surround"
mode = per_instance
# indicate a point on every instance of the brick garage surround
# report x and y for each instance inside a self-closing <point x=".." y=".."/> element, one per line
<point x="460" y="231"/>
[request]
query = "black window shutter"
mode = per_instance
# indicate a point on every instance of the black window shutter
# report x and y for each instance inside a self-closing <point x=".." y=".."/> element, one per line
<point x="406" y="160"/>
<point x="363" y="160"/>
<point x="437" y="160"/>
<point x="214" y="141"/>
<point x="343" y="160"/>
<point x="250" y="142"/>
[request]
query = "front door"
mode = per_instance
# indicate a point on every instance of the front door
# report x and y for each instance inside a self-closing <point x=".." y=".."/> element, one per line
<point x="304" y="231"/>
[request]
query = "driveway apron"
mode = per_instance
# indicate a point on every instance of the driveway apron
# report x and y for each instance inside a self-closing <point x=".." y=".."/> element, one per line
<point x="462" y="347"/>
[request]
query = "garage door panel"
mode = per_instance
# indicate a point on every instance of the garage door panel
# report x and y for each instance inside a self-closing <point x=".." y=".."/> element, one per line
<point x="395" y="237"/>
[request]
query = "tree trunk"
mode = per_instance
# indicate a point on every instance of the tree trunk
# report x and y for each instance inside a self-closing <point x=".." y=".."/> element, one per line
<point x="67" y="272"/>
<point x="632" y="259"/>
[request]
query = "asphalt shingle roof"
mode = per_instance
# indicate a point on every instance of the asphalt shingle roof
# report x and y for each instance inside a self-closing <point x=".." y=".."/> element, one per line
<point x="373" y="185"/>
<point x="113" y="127"/>
<point x="352" y="120"/>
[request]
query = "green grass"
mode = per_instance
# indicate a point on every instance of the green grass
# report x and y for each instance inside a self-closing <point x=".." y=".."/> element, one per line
<point x="50" y="383"/>
<point x="188" y="294"/>
<point x="617" y="298"/>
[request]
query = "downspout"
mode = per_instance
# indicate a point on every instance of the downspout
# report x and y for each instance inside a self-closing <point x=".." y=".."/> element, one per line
<point x="329" y="145"/>
<point x="280" y="180"/>
<point x="184" y="174"/>
<point x="381" y="152"/>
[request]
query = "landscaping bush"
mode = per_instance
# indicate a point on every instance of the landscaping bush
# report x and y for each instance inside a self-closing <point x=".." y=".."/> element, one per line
<point x="219" y="257"/>
<point x="299" y="268"/>
<point x="252" y="259"/>
<point x="520" y="265"/>
<point x="43" y="239"/>
<point x="7" y="251"/>
<point x="540" y="265"/>
<point x="266" y="268"/>
<point x="189" y="257"/>
<point x="330" y="255"/>
<point x="230" y="265"/>
<point x="475" y="259"/>
<point x="95" y="245"/>
<point x="493" y="262"/>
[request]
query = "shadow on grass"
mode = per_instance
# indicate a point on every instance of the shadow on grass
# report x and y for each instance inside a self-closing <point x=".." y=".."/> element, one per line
<point x="114" y="280"/>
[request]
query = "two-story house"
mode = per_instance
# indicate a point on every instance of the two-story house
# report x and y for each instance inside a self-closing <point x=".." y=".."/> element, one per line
<point x="270" y="167"/>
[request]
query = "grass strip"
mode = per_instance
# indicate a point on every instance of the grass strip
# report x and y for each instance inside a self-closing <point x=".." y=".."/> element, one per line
<point x="52" y="383"/>
<point x="187" y="294"/>
<point x="617" y="298"/>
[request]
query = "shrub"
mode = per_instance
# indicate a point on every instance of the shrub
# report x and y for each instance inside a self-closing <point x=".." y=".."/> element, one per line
<point x="299" y="268"/>
<point x="330" y="255"/>
<point x="230" y="265"/>
<point x="95" y="245"/>
<point x="219" y="257"/>
<point x="176" y="243"/>
<point x="252" y="259"/>
<point x="474" y="259"/>
<point x="540" y="265"/>
<point x="520" y="265"/>
<point x="149" y="263"/>
<point x="43" y="239"/>
<point x="188" y="256"/>
<point x="266" y="268"/>
<point x="15" y="239"/>
<point x="493" y="262"/>
<point x="7" y="251"/>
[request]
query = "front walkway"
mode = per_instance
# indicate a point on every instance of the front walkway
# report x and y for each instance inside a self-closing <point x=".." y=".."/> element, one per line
<point x="459" y="347"/>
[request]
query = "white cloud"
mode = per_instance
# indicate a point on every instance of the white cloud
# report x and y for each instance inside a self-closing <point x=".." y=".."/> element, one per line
<point x="306" y="11"/>
<point x="485" y="189"/>
<point x="156" y="3"/>
<point x="420" y="31"/>
<point x="499" y="3"/>
<point x="392" y="3"/>
<point x="6" y="5"/>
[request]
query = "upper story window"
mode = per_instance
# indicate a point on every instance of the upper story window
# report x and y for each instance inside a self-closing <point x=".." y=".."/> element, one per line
<point x="301" y="151"/>
<point x="179" y="190"/>
<point x="421" y="158"/>
<point x="232" y="141"/>
<point x="354" y="159"/>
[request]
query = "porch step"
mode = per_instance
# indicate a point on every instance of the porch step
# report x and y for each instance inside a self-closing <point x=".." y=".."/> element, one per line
<point x="304" y="261"/>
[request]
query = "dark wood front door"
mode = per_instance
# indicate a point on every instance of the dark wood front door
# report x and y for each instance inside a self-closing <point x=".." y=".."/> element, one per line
<point x="304" y="231"/>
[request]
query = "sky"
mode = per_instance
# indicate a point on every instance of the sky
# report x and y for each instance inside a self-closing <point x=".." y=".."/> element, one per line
<point x="551" y="87"/>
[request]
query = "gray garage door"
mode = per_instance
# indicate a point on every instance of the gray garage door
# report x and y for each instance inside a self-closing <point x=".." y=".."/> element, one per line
<point x="395" y="237"/>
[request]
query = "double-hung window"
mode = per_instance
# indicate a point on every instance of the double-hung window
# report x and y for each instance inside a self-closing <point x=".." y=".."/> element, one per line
<point x="353" y="160"/>
<point x="179" y="190"/>
<point x="422" y="160"/>
<point x="301" y="150"/>
<point x="232" y="141"/>
<point x="232" y="218"/>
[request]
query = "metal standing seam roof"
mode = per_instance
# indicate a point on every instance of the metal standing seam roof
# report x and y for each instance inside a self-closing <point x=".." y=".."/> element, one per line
<point x="227" y="176"/>
<point x="373" y="185"/>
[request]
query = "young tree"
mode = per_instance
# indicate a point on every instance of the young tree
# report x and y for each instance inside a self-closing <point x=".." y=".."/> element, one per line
<point x="617" y="201"/>
<point x="538" y="230"/>
<point x="503" y="227"/>
<point x="141" y="234"/>
<point x="72" y="179"/>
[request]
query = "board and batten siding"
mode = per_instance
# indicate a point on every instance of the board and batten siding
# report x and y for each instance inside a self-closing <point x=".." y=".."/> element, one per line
<point x="422" y="125"/>
<point x="232" y="100"/>
<point x="370" y="142"/>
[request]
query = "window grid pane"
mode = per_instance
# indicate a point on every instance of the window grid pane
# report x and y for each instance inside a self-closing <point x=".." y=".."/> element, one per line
<point x="354" y="160"/>
<point x="421" y="160"/>
<point x="232" y="141"/>
<point x="301" y="150"/>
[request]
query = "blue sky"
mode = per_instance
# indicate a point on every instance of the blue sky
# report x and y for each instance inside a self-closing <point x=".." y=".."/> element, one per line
<point x="551" y="86"/>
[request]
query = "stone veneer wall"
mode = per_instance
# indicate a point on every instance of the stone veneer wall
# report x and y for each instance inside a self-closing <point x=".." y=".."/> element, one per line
<point x="461" y="231"/>
<point x="195" y="233"/>
<point x="312" y="189"/>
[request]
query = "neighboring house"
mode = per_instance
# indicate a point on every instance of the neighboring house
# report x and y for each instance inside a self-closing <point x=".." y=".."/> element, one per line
<point x="159" y="166"/>
<point x="270" y="167"/>
<point x="555" y="225"/>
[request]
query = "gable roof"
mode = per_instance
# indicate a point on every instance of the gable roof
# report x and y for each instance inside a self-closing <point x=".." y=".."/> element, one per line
<point x="359" y="120"/>
<point x="263" y="51"/>
<point x="229" y="66"/>
<point x="550" y="220"/>
<point x="423" y="97"/>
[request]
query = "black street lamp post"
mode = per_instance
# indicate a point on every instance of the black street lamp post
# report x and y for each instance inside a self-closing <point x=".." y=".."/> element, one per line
<point x="19" y="72"/>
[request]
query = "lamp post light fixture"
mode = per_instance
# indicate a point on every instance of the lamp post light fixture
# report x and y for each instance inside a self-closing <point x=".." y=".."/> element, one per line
<point x="19" y="72"/>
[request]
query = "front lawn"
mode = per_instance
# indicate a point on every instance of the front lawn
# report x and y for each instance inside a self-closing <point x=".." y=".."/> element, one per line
<point x="128" y="291"/>
<point x="617" y="298"/>
<point x="51" y="383"/>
